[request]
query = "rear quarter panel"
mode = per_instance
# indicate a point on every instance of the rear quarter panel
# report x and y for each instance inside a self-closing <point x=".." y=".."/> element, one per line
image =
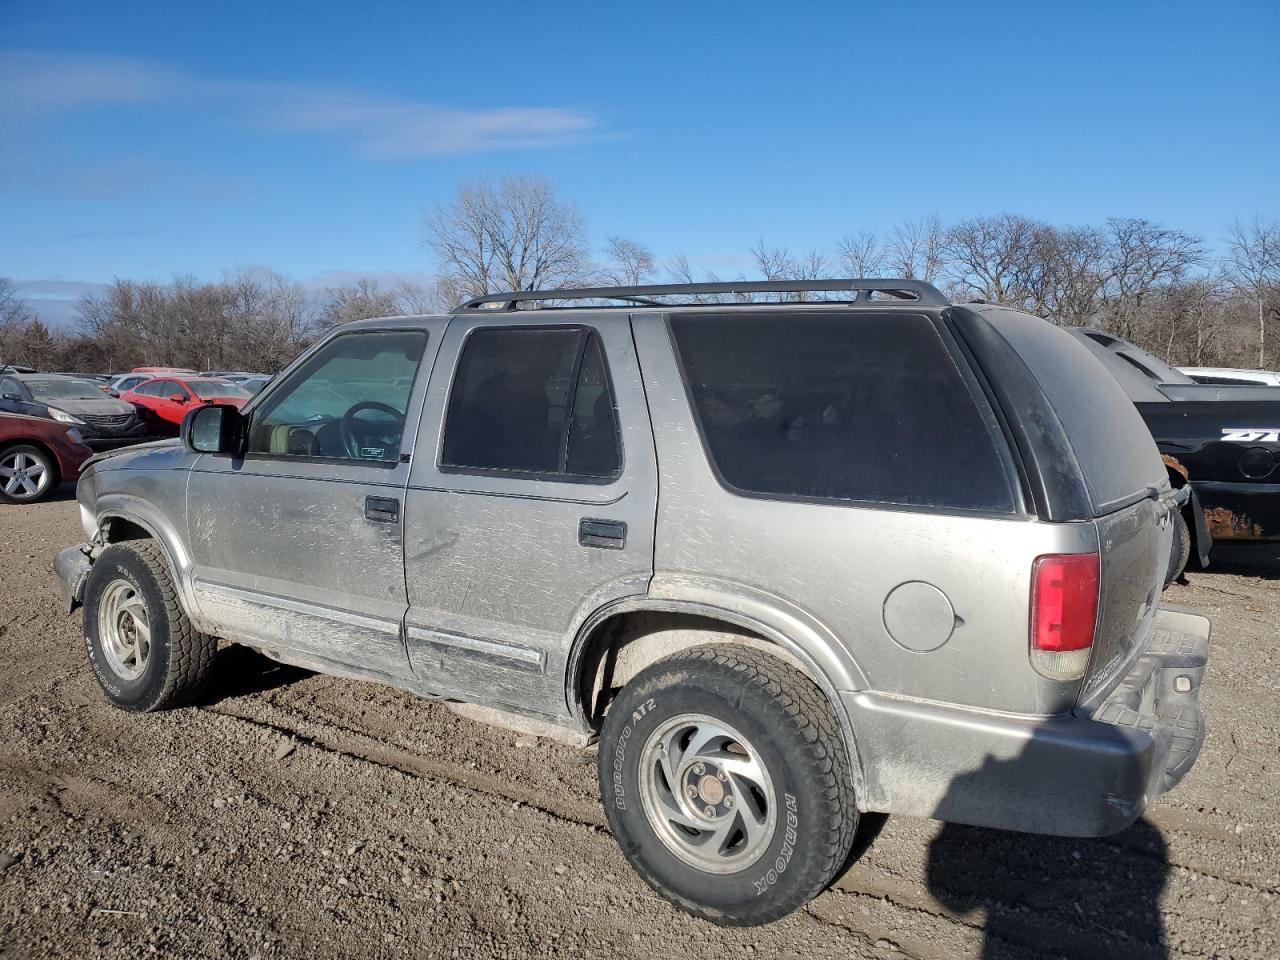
<point x="820" y="573"/>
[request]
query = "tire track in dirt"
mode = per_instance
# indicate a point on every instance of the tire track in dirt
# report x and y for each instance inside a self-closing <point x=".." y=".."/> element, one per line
<point x="408" y="763"/>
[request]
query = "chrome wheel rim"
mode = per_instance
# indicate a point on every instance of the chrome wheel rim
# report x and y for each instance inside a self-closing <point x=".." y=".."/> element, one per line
<point x="707" y="794"/>
<point x="23" y="476"/>
<point x="124" y="629"/>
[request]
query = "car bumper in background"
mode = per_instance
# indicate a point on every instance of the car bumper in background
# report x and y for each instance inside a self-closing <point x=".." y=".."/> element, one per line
<point x="71" y="566"/>
<point x="1080" y="774"/>
<point x="1240" y="511"/>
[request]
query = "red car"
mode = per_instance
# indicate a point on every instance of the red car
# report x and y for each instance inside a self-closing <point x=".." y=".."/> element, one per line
<point x="164" y="401"/>
<point x="37" y="454"/>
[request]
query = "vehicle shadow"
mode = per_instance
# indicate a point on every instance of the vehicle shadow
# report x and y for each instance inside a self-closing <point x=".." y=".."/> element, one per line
<point x="241" y="672"/>
<point x="1035" y="894"/>
<point x="1243" y="559"/>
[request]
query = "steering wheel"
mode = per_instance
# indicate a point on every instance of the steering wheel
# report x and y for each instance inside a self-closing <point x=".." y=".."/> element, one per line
<point x="347" y="427"/>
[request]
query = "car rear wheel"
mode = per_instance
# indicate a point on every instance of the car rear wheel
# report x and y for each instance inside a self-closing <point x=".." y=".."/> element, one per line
<point x="27" y="473"/>
<point x="144" y="651"/>
<point x="726" y="782"/>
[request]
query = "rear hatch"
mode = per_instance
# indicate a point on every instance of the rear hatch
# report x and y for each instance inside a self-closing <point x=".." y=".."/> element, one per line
<point x="1094" y="459"/>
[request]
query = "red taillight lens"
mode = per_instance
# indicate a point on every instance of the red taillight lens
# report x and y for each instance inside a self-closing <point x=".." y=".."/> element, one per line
<point x="1064" y="612"/>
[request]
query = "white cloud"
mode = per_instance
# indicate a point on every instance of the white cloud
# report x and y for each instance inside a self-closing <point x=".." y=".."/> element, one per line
<point x="40" y="84"/>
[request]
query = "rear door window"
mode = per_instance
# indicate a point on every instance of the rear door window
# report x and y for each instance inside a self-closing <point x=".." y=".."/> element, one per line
<point x="533" y="401"/>
<point x="841" y="406"/>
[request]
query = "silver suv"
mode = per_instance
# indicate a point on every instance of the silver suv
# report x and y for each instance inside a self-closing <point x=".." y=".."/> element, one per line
<point x="855" y="549"/>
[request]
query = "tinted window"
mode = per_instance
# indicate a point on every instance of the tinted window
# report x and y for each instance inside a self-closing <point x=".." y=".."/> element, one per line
<point x="842" y="406"/>
<point x="1112" y="444"/>
<point x="349" y="400"/>
<point x="214" y="388"/>
<point x="533" y="400"/>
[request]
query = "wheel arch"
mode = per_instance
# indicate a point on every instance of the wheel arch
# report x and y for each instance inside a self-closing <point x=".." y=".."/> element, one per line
<point x="121" y="520"/>
<point x="652" y="628"/>
<point x="1179" y="477"/>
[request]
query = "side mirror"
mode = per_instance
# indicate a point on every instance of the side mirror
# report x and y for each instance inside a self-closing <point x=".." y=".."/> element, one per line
<point x="214" y="429"/>
<point x="10" y="396"/>
<point x="178" y="397"/>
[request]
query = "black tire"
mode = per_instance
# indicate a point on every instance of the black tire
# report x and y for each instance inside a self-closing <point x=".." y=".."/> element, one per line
<point x="789" y="727"/>
<point x="46" y="481"/>
<point x="1180" y="551"/>
<point x="179" y="658"/>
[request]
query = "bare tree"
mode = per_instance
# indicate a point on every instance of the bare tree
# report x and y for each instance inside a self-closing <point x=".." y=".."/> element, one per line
<point x="1253" y="265"/>
<point x="361" y="301"/>
<point x="630" y="263"/>
<point x="1142" y="258"/>
<point x="15" y="317"/>
<point x="861" y="254"/>
<point x="12" y="308"/>
<point x="917" y="249"/>
<point x="1077" y="262"/>
<point x="679" y="270"/>
<point x="1002" y="259"/>
<point x="513" y="235"/>
<point x="777" y="263"/>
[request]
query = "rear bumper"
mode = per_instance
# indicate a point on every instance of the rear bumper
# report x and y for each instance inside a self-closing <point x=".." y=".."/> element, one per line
<point x="1240" y="511"/>
<point x="71" y="566"/>
<point x="1080" y="774"/>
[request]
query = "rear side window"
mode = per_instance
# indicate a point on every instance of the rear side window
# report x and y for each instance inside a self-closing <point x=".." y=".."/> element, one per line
<point x="840" y="406"/>
<point x="533" y="401"/>
<point x="1107" y="434"/>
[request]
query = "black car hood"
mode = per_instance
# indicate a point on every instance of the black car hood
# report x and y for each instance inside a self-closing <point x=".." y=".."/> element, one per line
<point x="93" y="407"/>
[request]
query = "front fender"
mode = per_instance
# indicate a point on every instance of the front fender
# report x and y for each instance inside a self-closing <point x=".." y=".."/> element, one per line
<point x="165" y="529"/>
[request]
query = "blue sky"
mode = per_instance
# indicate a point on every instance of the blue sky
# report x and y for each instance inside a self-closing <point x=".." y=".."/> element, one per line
<point x="148" y="140"/>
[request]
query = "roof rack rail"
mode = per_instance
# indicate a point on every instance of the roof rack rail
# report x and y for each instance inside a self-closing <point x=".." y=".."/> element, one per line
<point x="913" y="291"/>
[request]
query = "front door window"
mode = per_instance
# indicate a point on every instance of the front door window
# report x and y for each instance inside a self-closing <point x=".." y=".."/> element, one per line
<point x="348" y="401"/>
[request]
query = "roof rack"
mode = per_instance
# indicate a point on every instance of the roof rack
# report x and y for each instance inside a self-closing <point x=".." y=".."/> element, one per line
<point x="911" y="291"/>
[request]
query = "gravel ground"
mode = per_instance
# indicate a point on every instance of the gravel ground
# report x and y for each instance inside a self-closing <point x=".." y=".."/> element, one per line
<point x="300" y="815"/>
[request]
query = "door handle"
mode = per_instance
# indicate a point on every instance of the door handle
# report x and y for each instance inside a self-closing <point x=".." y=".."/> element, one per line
<point x="382" y="509"/>
<point x="609" y="534"/>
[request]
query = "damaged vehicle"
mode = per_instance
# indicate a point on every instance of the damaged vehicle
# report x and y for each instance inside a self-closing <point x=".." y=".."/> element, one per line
<point x="785" y="562"/>
<point x="1220" y="440"/>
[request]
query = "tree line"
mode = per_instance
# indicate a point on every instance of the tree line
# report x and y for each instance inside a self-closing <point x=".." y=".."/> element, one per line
<point x="1160" y="287"/>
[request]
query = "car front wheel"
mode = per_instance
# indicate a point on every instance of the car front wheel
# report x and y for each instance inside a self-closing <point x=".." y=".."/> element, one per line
<point x="725" y="780"/>
<point x="144" y="651"/>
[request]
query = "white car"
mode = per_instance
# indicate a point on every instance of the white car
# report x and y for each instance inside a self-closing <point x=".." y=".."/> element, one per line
<point x="1230" y="376"/>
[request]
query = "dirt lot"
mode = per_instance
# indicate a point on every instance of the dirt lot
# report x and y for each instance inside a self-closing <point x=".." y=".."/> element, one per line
<point x="298" y="815"/>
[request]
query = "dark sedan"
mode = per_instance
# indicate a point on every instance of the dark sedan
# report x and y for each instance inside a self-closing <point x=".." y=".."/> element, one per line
<point x="103" y="421"/>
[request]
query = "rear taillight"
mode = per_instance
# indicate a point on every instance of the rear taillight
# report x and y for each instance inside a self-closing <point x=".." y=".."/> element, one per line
<point x="1064" y="613"/>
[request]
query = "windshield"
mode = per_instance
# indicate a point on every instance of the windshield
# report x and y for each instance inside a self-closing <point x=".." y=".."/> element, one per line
<point x="64" y="389"/>
<point x="215" y="388"/>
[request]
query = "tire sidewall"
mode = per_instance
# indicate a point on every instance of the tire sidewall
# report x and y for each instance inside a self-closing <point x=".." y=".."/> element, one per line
<point x="121" y="563"/>
<point x="794" y="866"/>
<point x="50" y="468"/>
